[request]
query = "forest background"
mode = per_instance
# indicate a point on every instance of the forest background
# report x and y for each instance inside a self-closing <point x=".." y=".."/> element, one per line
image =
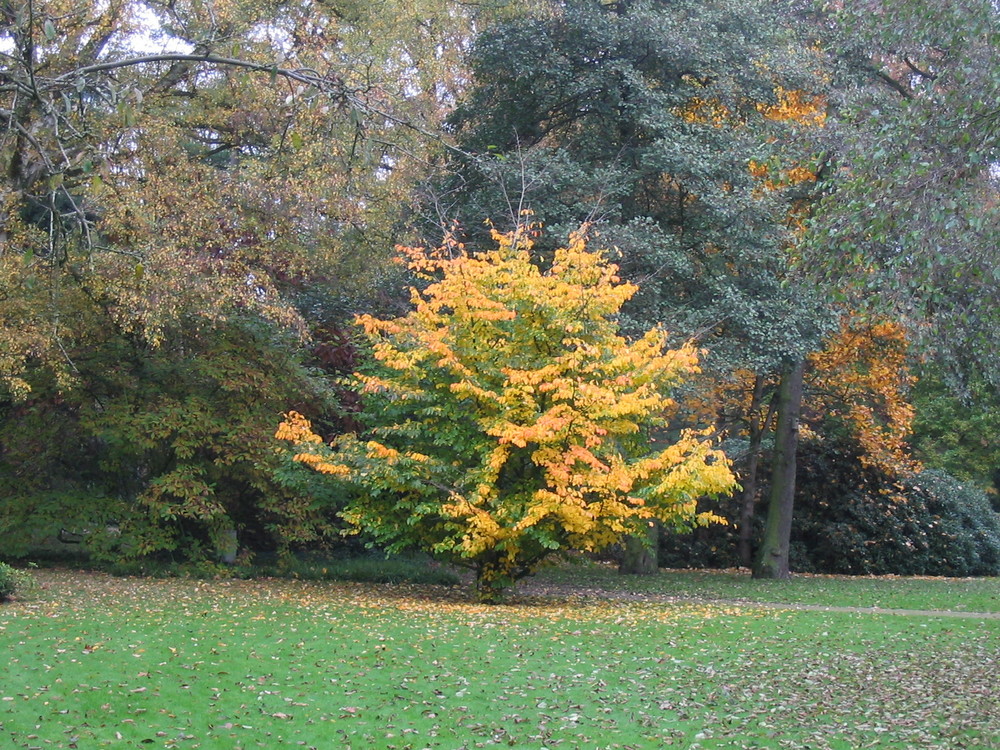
<point x="200" y="197"/>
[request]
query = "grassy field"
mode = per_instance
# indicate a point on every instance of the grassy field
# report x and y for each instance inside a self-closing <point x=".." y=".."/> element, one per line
<point x="94" y="661"/>
<point x="885" y="592"/>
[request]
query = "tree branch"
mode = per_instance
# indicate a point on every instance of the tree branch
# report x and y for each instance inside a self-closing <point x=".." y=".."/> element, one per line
<point x="918" y="71"/>
<point x="892" y="83"/>
<point x="303" y="75"/>
<point x="307" y="76"/>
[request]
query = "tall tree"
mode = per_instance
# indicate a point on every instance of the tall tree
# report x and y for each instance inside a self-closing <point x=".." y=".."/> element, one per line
<point x="772" y="559"/>
<point x="908" y="227"/>
<point x="187" y="184"/>
<point x="912" y="220"/>
<point x="660" y="124"/>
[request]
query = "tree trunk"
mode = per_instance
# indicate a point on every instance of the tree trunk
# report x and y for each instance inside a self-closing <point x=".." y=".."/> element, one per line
<point x="748" y="498"/>
<point x="640" y="555"/>
<point x="491" y="584"/>
<point x="772" y="560"/>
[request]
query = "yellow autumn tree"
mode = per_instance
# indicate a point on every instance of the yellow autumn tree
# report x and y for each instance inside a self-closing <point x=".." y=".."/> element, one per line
<point x="862" y="379"/>
<point x="510" y="419"/>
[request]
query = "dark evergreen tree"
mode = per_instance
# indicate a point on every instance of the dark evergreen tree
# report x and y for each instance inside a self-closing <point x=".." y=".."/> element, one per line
<point x="653" y="123"/>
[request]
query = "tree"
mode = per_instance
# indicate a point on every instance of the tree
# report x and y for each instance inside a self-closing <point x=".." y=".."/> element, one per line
<point x="181" y="225"/>
<point x="648" y="133"/>
<point x="772" y="558"/>
<point x="171" y="446"/>
<point x="687" y="133"/>
<point x="958" y="435"/>
<point x="860" y="383"/>
<point x="910" y="227"/>
<point x="510" y="419"/>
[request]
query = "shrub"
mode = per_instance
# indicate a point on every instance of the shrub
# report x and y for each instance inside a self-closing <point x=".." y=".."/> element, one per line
<point x="13" y="580"/>
<point x="308" y="567"/>
<point x="377" y="570"/>
<point x="153" y="567"/>
<point x="964" y="533"/>
<point x="858" y="519"/>
<point x="713" y="546"/>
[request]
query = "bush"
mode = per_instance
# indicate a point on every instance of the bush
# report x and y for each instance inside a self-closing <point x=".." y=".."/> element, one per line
<point x="153" y="567"/>
<point x="376" y="570"/>
<point x="13" y="580"/>
<point x="857" y="519"/>
<point x="713" y="546"/>
<point x="365" y="569"/>
<point x="964" y="538"/>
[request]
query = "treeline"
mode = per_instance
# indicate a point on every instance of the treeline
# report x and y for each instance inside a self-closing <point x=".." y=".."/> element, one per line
<point x="200" y="197"/>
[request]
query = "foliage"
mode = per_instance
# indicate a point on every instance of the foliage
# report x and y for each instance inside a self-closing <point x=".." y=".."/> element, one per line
<point x="184" y="230"/>
<point x="910" y="225"/>
<point x="966" y="538"/>
<point x="856" y="518"/>
<point x="860" y="382"/>
<point x="14" y="581"/>
<point x="373" y="569"/>
<point x="958" y="435"/>
<point x="689" y="133"/>
<point x="315" y="567"/>
<point x="714" y="547"/>
<point x="139" y="184"/>
<point x="229" y="663"/>
<point x="166" y="450"/>
<point x="856" y="390"/>
<point x="645" y="119"/>
<point x="511" y="420"/>
<point x="180" y="230"/>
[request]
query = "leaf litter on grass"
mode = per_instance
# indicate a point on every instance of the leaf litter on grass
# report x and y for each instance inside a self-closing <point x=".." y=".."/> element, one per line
<point x="95" y="661"/>
<point x="735" y="584"/>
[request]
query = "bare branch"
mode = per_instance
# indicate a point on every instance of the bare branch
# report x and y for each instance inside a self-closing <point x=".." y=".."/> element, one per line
<point x="308" y="76"/>
<point x="918" y="71"/>
<point x="303" y="75"/>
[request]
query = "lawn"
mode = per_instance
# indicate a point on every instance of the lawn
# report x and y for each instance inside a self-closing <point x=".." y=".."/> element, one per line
<point x="94" y="661"/>
<point x="885" y="592"/>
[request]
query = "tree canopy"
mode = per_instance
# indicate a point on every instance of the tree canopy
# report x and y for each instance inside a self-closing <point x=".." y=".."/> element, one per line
<point x="200" y="199"/>
<point x="513" y="420"/>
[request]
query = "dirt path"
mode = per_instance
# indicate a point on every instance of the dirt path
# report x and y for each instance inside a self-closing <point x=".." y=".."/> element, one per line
<point x="532" y="589"/>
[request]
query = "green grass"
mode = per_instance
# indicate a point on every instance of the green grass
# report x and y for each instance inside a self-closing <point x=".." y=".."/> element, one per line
<point x="95" y="661"/>
<point x="369" y="569"/>
<point x="886" y="592"/>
